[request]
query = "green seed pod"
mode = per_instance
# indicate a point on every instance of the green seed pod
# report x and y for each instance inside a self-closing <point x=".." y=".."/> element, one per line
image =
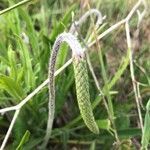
<point x="83" y="95"/>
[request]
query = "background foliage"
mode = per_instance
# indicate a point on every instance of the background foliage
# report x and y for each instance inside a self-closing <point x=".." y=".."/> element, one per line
<point x="27" y="35"/>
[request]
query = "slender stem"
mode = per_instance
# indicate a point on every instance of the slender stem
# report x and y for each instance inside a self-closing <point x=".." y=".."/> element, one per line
<point x="132" y="73"/>
<point x="92" y="72"/>
<point x="106" y="90"/>
<point x="74" y="142"/>
<point x="9" y="130"/>
<point x="84" y="17"/>
<point x="14" y="6"/>
<point x="136" y="6"/>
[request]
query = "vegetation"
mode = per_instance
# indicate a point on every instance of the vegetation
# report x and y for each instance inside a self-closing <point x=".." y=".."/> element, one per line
<point x="28" y="32"/>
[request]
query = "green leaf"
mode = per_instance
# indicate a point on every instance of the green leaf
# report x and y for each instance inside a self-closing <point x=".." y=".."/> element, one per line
<point x="13" y="21"/>
<point x="62" y="24"/>
<point x="27" y="65"/>
<point x="104" y="124"/>
<point x="33" y="143"/>
<point x="31" y="33"/>
<point x="146" y="134"/>
<point x="11" y="86"/>
<point x="24" y="140"/>
<point x="12" y="63"/>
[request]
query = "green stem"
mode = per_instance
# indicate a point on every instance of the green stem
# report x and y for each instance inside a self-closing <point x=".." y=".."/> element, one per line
<point x="14" y="6"/>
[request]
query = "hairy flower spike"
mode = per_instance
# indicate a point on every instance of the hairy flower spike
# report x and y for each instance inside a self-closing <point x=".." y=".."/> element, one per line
<point x="81" y="78"/>
<point x="83" y="95"/>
